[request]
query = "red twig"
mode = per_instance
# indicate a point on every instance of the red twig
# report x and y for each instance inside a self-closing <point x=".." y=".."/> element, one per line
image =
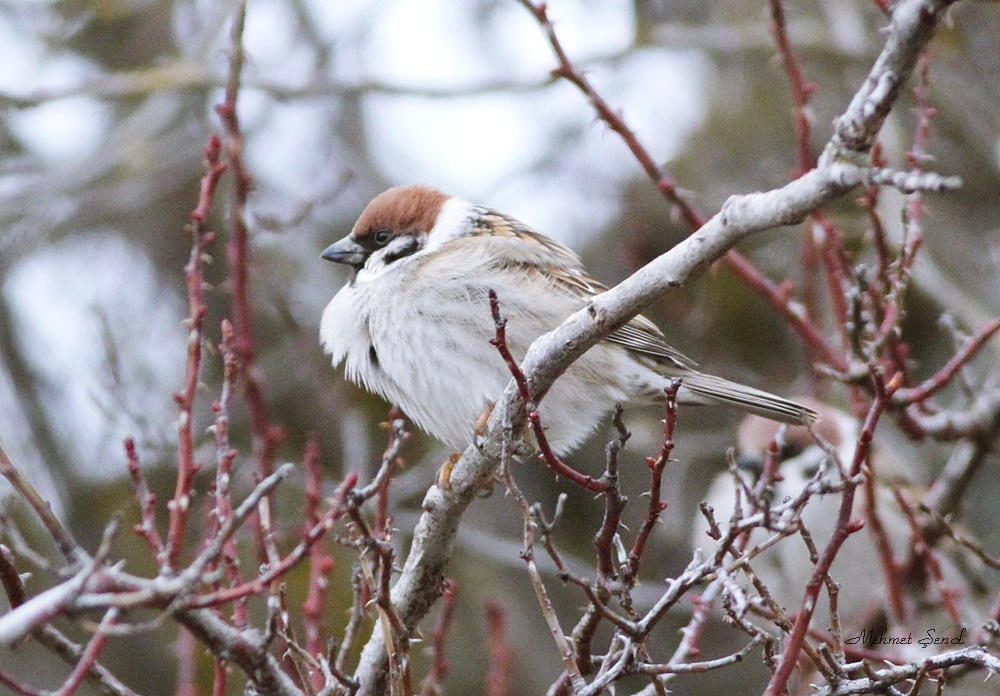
<point x="497" y="680"/>
<point x="187" y="468"/>
<point x="845" y="527"/>
<point x="500" y="342"/>
<point x="924" y="552"/>
<point x="224" y="457"/>
<point x="802" y="89"/>
<point x="392" y="461"/>
<point x="950" y="369"/>
<point x="556" y="464"/>
<point x="185" y="652"/>
<point x="870" y="203"/>
<point x="534" y="418"/>
<point x="768" y="475"/>
<point x="89" y="658"/>
<point x="321" y="563"/>
<point x="439" y="657"/>
<point x="614" y="504"/>
<point x="656" y="504"/>
<point x="10" y="579"/>
<point x="891" y="570"/>
<point x="838" y="270"/>
<point x="147" y="506"/>
<point x="209" y="182"/>
<point x="612" y="118"/>
<point x="220" y="677"/>
<point x="396" y="634"/>
<point x="266" y="437"/>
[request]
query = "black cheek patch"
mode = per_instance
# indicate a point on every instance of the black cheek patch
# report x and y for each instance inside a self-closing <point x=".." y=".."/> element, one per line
<point x="410" y="246"/>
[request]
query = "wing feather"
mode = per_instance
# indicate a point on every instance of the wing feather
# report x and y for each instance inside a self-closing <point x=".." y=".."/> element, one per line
<point x="563" y="269"/>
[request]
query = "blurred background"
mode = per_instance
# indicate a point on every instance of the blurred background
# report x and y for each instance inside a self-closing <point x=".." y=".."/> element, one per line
<point x="106" y="108"/>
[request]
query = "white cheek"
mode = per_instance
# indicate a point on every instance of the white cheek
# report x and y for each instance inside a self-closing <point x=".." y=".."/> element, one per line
<point x="452" y="223"/>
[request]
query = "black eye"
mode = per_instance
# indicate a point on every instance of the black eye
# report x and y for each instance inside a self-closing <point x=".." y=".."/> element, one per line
<point x="382" y="237"/>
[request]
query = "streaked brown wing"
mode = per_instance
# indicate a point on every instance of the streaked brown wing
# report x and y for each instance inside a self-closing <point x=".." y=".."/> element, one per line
<point x="639" y="335"/>
<point x="562" y="267"/>
<point x="642" y="336"/>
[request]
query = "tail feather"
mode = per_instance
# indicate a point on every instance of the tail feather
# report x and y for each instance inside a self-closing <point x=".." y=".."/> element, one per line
<point x="748" y="399"/>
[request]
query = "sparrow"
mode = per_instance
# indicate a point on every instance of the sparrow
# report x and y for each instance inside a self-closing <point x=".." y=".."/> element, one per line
<point x="414" y="324"/>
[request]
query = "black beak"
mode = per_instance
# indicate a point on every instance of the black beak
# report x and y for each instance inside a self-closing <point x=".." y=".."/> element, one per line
<point x="346" y="251"/>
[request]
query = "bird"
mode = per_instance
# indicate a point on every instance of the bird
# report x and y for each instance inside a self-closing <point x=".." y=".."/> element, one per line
<point x="413" y="324"/>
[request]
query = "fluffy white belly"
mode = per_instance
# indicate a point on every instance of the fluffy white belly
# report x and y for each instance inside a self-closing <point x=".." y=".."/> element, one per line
<point x="431" y="355"/>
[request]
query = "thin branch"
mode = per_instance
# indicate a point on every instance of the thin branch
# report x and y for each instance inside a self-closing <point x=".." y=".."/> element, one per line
<point x="500" y="651"/>
<point x="568" y="71"/>
<point x="944" y="376"/>
<point x="67" y="545"/>
<point x="698" y="667"/>
<point x="225" y="455"/>
<point x="45" y="606"/>
<point x="881" y="680"/>
<point x="439" y="668"/>
<point x="207" y="557"/>
<point x="187" y="468"/>
<point x="354" y="623"/>
<point x="90" y="654"/>
<point x="266" y="436"/>
<point x="534" y="418"/>
<point x="630" y="573"/>
<point x="802" y="89"/>
<point x="147" y="506"/>
<point x="531" y="524"/>
<point x="321" y="563"/>
<point x="737" y="263"/>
